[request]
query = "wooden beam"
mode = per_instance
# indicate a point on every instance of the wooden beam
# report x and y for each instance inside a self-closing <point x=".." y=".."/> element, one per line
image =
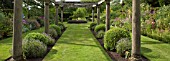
<point x="107" y="15"/>
<point x="136" y="36"/>
<point x="17" y="32"/>
<point x="46" y="14"/>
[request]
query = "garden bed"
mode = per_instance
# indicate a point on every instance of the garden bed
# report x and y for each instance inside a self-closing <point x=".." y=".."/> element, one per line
<point x="48" y="50"/>
<point x="115" y="55"/>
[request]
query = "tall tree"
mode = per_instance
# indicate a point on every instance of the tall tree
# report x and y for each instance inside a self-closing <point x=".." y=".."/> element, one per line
<point x="17" y="31"/>
<point x="136" y="30"/>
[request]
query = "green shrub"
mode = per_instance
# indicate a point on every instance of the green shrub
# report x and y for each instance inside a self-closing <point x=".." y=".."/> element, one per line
<point x="123" y="45"/>
<point x="114" y="35"/>
<point x="100" y="34"/>
<point x="93" y="25"/>
<point x="38" y="36"/>
<point x="2" y="16"/>
<point x="61" y="25"/>
<point x="34" y="24"/>
<point x="34" y="48"/>
<point x="99" y="27"/>
<point x="50" y="40"/>
<point x="40" y="21"/>
<point x="1" y="36"/>
<point x="53" y="33"/>
<point x="5" y="26"/>
<point x="166" y="38"/>
<point x="57" y="28"/>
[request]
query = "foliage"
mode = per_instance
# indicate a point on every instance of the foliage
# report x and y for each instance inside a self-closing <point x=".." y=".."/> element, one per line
<point x="100" y="34"/>
<point x="5" y="26"/>
<point x="40" y="21"/>
<point x="93" y="25"/>
<point x="113" y="35"/>
<point x="163" y="17"/>
<point x="41" y="37"/>
<point x="89" y="0"/>
<point x="61" y="25"/>
<point x="2" y="16"/>
<point x="57" y="28"/>
<point x="33" y="48"/>
<point x="80" y="13"/>
<point x="34" y="24"/>
<point x="100" y="27"/>
<point x="123" y="45"/>
<point x="53" y="33"/>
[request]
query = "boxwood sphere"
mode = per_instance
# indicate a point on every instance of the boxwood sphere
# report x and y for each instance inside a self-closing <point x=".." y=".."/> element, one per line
<point x="34" y="49"/>
<point x="113" y="35"/>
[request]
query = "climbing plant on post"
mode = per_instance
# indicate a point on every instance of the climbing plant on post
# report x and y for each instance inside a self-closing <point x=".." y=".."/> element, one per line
<point x="46" y="16"/>
<point x="136" y="31"/>
<point x="107" y="14"/>
<point x="17" y="31"/>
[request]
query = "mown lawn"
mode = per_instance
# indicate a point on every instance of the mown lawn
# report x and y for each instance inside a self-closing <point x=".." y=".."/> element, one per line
<point x="77" y="44"/>
<point x="6" y="45"/>
<point x="155" y="50"/>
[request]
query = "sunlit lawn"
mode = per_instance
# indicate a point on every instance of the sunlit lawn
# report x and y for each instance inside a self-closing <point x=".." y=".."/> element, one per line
<point x="77" y="44"/>
<point x="6" y="45"/>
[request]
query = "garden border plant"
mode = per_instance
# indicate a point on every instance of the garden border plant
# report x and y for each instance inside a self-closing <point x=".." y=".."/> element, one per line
<point x="115" y="55"/>
<point x="48" y="46"/>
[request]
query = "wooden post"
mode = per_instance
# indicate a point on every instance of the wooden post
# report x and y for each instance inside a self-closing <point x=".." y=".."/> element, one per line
<point x="17" y="32"/>
<point x="136" y="37"/>
<point x="98" y="14"/>
<point x="46" y="14"/>
<point x="56" y="14"/>
<point x="92" y="14"/>
<point x="62" y="14"/>
<point x="107" y="14"/>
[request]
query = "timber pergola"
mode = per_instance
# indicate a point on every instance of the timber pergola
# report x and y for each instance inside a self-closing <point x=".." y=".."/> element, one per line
<point x="17" y="54"/>
<point x="74" y="4"/>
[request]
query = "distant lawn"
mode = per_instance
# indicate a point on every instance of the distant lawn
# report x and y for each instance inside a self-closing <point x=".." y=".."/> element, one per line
<point x="77" y="44"/>
<point x="6" y="45"/>
<point x="155" y="50"/>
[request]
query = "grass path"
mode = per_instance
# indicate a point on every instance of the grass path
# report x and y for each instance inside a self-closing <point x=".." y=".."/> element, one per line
<point x="77" y="44"/>
<point x="6" y="45"/>
<point x="155" y="50"/>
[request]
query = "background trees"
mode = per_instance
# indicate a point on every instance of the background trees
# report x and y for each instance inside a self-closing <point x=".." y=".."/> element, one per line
<point x="80" y="13"/>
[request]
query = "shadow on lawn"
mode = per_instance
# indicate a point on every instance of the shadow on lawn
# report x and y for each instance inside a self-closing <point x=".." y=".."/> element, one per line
<point x="145" y="50"/>
<point x="81" y="44"/>
<point x="151" y="42"/>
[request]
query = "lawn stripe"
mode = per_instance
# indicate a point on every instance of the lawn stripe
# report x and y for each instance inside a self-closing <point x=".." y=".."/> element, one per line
<point x="77" y="44"/>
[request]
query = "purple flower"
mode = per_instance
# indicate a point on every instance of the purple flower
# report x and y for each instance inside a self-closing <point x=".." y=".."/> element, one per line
<point x="24" y="21"/>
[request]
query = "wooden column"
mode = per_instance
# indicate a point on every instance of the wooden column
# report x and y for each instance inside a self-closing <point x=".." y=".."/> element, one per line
<point x="98" y="14"/>
<point x="107" y="14"/>
<point x="17" y="32"/>
<point x="62" y="14"/>
<point x="136" y="30"/>
<point x="92" y="14"/>
<point x="46" y="14"/>
<point x="56" y="22"/>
